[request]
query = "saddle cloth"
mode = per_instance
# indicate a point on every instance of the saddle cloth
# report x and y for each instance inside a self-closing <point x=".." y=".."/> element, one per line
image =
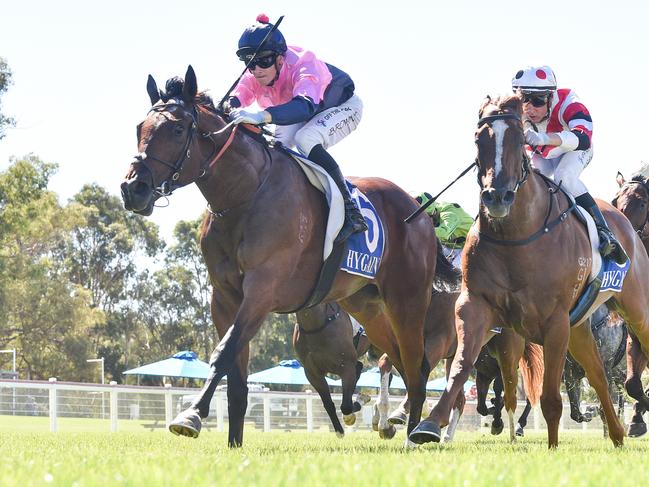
<point x="610" y="272"/>
<point x="364" y="251"/>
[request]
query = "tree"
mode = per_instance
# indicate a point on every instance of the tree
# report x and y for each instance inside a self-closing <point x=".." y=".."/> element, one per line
<point x="5" y="82"/>
<point x="44" y="316"/>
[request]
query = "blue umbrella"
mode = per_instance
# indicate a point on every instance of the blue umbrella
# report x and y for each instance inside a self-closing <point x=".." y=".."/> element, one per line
<point x="372" y="378"/>
<point x="287" y="372"/>
<point x="182" y="364"/>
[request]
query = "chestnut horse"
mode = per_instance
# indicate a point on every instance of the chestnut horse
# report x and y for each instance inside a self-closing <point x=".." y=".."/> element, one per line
<point x="324" y="343"/>
<point x="525" y="264"/>
<point x="263" y="242"/>
<point x="632" y="199"/>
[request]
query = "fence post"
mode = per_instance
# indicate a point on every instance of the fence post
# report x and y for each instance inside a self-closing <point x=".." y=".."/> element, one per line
<point x="309" y="413"/>
<point x="266" y="413"/>
<point x="52" y="404"/>
<point x="219" y="413"/>
<point x="168" y="405"/>
<point x="113" y="411"/>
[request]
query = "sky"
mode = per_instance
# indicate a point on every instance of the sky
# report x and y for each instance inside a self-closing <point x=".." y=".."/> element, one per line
<point x="422" y="70"/>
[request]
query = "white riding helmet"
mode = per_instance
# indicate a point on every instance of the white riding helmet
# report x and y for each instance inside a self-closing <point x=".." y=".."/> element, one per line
<point x="539" y="80"/>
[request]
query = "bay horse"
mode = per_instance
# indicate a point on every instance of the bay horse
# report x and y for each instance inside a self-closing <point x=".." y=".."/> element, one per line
<point x="525" y="264"/>
<point x="324" y="343"/>
<point x="263" y="242"/>
<point x="632" y="199"/>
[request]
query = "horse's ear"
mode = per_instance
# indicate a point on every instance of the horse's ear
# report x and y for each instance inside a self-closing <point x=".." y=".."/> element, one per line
<point x="620" y="179"/>
<point x="152" y="90"/>
<point x="485" y="102"/>
<point x="189" y="88"/>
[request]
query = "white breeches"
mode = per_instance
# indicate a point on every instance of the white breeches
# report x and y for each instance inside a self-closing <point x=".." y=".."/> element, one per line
<point x="327" y="128"/>
<point x="566" y="169"/>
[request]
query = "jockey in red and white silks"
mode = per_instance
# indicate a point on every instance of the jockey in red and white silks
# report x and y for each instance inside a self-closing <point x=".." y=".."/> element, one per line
<point x="570" y="120"/>
<point x="559" y="132"/>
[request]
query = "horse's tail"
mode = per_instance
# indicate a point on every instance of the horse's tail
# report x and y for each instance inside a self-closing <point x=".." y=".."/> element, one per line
<point x="531" y="365"/>
<point x="447" y="277"/>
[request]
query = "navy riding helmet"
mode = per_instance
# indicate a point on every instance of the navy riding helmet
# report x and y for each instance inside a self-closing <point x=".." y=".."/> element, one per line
<point x="253" y="36"/>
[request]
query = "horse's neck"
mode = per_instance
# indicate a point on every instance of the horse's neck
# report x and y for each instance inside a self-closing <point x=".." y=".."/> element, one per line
<point x="234" y="178"/>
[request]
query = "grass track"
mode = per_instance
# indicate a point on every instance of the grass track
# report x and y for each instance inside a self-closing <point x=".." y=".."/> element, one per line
<point x="274" y="459"/>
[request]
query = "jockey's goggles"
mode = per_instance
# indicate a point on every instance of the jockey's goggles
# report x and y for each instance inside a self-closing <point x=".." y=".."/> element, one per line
<point x="536" y="100"/>
<point x="263" y="62"/>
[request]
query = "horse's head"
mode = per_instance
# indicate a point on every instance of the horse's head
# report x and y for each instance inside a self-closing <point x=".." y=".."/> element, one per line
<point x="502" y="162"/>
<point x="632" y="199"/>
<point x="169" y="153"/>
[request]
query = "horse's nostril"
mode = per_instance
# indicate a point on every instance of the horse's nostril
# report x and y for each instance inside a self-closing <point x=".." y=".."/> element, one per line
<point x="488" y="195"/>
<point x="508" y="198"/>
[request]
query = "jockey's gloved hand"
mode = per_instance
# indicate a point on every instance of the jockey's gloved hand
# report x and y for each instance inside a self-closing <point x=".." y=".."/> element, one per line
<point x="535" y="138"/>
<point x="255" y="118"/>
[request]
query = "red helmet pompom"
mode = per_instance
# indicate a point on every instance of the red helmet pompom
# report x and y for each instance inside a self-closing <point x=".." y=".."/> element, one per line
<point x="540" y="74"/>
<point x="263" y="19"/>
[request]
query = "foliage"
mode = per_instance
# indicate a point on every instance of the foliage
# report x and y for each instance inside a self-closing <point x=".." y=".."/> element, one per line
<point x="5" y="82"/>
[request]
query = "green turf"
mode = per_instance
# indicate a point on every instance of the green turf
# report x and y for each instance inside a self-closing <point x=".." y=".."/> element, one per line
<point x="269" y="459"/>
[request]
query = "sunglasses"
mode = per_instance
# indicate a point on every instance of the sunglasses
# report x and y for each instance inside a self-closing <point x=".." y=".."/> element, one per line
<point x="536" y="100"/>
<point x="263" y="62"/>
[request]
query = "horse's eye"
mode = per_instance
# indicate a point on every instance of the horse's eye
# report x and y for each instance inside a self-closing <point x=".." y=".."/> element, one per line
<point x="178" y="129"/>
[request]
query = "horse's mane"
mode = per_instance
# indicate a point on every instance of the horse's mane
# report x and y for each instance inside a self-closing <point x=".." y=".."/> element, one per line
<point x="174" y="89"/>
<point x="512" y="103"/>
<point x="639" y="178"/>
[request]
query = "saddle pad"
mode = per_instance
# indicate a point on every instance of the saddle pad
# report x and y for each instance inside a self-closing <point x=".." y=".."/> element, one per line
<point x="363" y="251"/>
<point x="613" y="275"/>
<point x="594" y="243"/>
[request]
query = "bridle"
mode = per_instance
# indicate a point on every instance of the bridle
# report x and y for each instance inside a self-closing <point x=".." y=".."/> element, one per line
<point x="525" y="160"/>
<point x="640" y="230"/>
<point x="169" y="184"/>
<point x="526" y="169"/>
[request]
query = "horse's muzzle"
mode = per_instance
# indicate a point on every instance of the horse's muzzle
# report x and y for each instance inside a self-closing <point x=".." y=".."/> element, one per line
<point x="137" y="197"/>
<point x="497" y="201"/>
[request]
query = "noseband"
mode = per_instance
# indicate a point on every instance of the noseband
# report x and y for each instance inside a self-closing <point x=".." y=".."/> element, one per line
<point x="525" y="160"/>
<point x="168" y="185"/>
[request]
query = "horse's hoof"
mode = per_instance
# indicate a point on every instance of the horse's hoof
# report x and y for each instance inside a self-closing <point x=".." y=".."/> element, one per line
<point x="637" y="429"/>
<point x="340" y="434"/>
<point x="425" y="432"/>
<point x="349" y="419"/>
<point x="388" y="433"/>
<point x="398" y="417"/>
<point x="187" y="423"/>
<point x="497" y="427"/>
<point x="520" y="431"/>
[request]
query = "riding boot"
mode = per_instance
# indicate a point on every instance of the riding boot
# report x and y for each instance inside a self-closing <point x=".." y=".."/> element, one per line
<point x="608" y="244"/>
<point x="354" y="221"/>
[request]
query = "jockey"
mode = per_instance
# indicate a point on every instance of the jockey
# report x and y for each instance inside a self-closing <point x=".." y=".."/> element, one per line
<point x="560" y="137"/>
<point x="312" y="103"/>
<point x="452" y="225"/>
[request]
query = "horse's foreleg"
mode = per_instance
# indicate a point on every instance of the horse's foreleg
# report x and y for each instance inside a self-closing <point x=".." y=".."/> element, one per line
<point x="522" y="421"/>
<point x="456" y="412"/>
<point x="482" y="382"/>
<point x="584" y="349"/>
<point x="385" y="429"/>
<point x="555" y="346"/>
<point x="319" y="383"/>
<point x="497" y="424"/>
<point x="473" y="318"/>
<point x="348" y="377"/>
<point x="636" y="362"/>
